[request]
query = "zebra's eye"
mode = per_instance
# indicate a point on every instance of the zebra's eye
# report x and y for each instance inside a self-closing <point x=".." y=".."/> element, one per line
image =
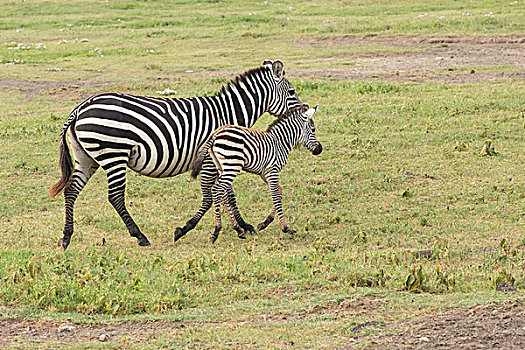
<point x="291" y="91"/>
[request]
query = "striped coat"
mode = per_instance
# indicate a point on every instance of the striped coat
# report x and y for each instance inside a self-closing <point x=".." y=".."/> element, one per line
<point x="157" y="137"/>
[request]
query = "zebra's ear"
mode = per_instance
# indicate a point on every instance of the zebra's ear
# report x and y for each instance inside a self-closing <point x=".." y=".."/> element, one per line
<point x="267" y="63"/>
<point x="310" y="113"/>
<point x="278" y="69"/>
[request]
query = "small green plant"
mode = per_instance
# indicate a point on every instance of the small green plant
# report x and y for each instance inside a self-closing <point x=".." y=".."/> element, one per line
<point x="444" y="279"/>
<point x="502" y="276"/>
<point x="415" y="279"/>
<point x="360" y="236"/>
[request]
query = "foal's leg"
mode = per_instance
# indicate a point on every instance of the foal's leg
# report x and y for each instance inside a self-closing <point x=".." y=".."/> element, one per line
<point x="232" y="209"/>
<point x="268" y="220"/>
<point x="220" y="191"/>
<point x="272" y="177"/>
<point x="271" y="216"/>
<point x="235" y="214"/>
<point x="209" y="176"/>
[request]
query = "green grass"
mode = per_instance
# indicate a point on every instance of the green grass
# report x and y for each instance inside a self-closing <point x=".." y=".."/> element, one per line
<point x="401" y="172"/>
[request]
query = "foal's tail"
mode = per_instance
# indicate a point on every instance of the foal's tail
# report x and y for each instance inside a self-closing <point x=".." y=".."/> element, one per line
<point x="66" y="163"/>
<point x="201" y="154"/>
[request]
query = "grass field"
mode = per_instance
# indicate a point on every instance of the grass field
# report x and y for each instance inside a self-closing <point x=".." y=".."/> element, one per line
<point x="403" y="170"/>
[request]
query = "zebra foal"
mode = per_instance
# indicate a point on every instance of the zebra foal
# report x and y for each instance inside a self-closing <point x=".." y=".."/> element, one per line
<point x="233" y="148"/>
<point x="158" y="137"/>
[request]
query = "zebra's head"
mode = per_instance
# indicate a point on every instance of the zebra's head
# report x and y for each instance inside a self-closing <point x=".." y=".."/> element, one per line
<point x="308" y="137"/>
<point x="282" y="95"/>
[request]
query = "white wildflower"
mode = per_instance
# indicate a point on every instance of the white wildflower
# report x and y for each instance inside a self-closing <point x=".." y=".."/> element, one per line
<point x="97" y="50"/>
<point x="167" y="92"/>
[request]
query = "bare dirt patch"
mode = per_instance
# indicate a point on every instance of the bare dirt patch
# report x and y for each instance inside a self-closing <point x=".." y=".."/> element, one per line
<point x="478" y="327"/>
<point x="441" y="59"/>
<point x="59" y="90"/>
<point x="499" y="326"/>
<point x="450" y="59"/>
<point x="15" y="330"/>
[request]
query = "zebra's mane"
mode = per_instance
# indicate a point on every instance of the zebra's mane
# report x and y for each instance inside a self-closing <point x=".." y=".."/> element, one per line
<point x="241" y="78"/>
<point x="283" y="117"/>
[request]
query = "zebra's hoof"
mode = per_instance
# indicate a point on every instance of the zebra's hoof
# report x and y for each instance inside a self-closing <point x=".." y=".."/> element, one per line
<point x="143" y="242"/>
<point x="213" y="239"/>
<point x="249" y="228"/>
<point x="178" y="234"/>
<point x="239" y="231"/>
<point x="64" y="243"/>
<point x="241" y="235"/>
<point x="261" y="226"/>
<point x="289" y="231"/>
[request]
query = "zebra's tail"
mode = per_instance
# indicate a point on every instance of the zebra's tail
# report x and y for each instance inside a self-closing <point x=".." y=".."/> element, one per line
<point x="201" y="154"/>
<point x="66" y="163"/>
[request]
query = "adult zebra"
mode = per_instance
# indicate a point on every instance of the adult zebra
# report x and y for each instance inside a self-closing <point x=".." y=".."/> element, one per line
<point x="157" y="137"/>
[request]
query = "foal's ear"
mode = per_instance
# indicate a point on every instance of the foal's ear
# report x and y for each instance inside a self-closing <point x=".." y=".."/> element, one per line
<point x="278" y="69"/>
<point x="310" y="112"/>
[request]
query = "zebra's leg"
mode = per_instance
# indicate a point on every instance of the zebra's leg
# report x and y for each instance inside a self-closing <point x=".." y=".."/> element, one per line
<point x="231" y="214"/>
<point x="116" y="172"/>
<point x="235" y="215"/>
<point x="268" y="220"/>
<point x="271" y="216"/>
<point x="84" y="169"/>
<point x="209" y="176"/>
<point x="272" y="178"/>
<point x="220" y="191"/>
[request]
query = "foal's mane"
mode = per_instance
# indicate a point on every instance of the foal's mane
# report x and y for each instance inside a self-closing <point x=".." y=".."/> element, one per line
<point x="280" y="119"/>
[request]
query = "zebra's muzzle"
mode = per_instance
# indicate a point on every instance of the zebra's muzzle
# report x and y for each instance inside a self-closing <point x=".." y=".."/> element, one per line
<point x="318" y="149"/>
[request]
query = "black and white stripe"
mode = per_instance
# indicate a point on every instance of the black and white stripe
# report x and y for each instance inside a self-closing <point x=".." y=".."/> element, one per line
<point x="158" y="137"/>
<point x="234" y="148"/>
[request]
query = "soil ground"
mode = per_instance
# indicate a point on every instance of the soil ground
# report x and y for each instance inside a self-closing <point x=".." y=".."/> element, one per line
<point x="442" y="59"/>
<point x="450" y="59"/>
<point x="479" y="327"/>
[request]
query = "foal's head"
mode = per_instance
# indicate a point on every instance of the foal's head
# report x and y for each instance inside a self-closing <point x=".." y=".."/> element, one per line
<point x="308" y="137"/>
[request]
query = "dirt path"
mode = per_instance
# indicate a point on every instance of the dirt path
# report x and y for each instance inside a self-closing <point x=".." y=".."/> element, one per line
<point x="47" y="332"/>
<point x="500" y="326"/>
<point x="443" y="59"/>
<point x="479" y="327"/>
